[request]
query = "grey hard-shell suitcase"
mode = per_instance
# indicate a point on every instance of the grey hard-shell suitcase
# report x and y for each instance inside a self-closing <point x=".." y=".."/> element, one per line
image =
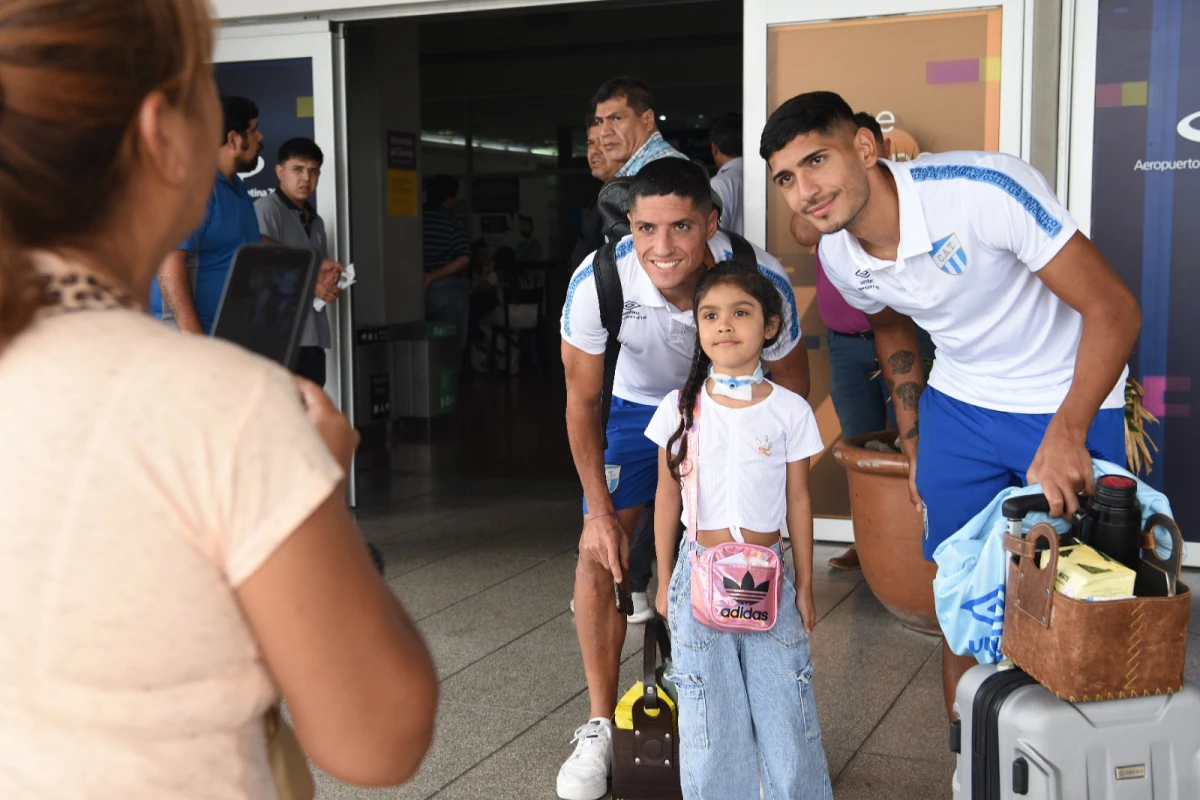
<point x="1014" y="739"/>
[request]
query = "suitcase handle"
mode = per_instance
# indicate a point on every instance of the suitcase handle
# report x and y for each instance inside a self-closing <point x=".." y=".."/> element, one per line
<point x="1020" y="507"/>
<point x="657" y="639"/>
<point x="1035" y="586"/>
<point x="1017" y="508"/>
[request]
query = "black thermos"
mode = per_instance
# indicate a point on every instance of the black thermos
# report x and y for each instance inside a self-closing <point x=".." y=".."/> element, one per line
<point x="1112" y="520"/>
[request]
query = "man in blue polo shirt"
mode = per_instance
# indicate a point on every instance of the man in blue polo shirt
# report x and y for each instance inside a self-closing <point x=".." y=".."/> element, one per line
<point x="192" y="278"/>
<point x="1033" y="329"/>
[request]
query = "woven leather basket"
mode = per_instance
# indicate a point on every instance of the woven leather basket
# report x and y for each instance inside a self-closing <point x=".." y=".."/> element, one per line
<point x="1086" y="651"/>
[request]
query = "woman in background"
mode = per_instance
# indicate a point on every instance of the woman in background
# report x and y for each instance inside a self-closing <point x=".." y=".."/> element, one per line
<point x="175" y="550"/>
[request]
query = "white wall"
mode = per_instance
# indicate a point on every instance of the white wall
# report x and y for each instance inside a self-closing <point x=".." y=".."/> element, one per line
<point x="383" y="93"/>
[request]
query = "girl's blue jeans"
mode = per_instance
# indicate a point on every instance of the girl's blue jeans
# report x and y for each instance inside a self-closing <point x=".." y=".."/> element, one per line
<point x="745" y="702"/>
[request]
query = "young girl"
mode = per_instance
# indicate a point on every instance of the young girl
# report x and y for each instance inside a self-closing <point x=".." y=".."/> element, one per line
<point x="745" y="699"/>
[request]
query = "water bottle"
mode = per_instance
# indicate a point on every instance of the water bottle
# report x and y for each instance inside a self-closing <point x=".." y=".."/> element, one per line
<point x="1111" y="521"/>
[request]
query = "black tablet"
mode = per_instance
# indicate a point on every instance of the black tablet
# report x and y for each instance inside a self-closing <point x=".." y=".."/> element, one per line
<point x="268" y="295"/>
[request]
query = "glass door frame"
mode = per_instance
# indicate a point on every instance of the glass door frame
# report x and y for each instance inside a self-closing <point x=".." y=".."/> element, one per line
<point x="760" y="15"/>
<point x="323" y="43"/>
<point x="1081" y="24"/>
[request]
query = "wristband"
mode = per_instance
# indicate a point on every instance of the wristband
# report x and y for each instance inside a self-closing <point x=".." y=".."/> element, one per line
<point x="601" y="516"/>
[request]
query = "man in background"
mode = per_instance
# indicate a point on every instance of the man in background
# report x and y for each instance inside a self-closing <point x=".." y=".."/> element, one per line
<point x="591" y="229"/>
<point x="447" y="257"/>
<point x="624" y="109"/>
<point x="192" y="278"/>
<point x="529" y="248"/>
<point x="287" y="217"/>
<point x="725" y="138"/>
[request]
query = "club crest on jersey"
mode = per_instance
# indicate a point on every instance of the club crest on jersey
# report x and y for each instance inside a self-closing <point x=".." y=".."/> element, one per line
<point x="612" y="474"/>
<point x="949" y="255"/>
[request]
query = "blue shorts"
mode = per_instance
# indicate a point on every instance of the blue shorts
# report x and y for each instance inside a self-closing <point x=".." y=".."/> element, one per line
<point x="967" y="455"/>
<point x="631" y="460"/>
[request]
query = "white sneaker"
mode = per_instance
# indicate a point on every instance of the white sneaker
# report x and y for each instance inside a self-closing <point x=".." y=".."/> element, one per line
<point x="642" y="610"/>
<point x="584" y="776"/>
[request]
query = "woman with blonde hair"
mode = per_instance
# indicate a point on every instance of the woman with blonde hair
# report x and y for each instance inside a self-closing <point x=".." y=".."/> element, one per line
<point x="175" y="548"/>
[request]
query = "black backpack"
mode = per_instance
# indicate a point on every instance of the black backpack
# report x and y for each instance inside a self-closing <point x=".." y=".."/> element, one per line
<point x="613" y="203"/>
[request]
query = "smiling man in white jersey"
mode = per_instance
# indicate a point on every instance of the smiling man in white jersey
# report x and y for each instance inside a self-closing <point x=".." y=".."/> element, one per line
<point x="1033" y="329"/>
<point x="674" y="241"/>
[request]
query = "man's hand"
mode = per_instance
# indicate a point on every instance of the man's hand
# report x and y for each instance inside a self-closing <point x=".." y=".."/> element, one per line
<point x="329" y="273"/>
<point x="604" y="542"/>
<point x="1063" y="467"/>
<point x="806" y="607"/>
<point x="323" y="292"/>
<point x="428" y="280"/>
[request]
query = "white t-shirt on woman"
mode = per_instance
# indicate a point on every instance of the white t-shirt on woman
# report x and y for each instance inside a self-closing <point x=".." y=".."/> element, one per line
<point x="146" y="475"/>
<point x="744" y="454"/>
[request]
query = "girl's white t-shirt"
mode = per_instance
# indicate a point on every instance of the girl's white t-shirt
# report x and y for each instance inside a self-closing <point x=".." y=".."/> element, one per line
<point x="744" y="454"/>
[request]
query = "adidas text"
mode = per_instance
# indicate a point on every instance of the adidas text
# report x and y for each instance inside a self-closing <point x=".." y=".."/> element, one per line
<point x="744" y="613"/>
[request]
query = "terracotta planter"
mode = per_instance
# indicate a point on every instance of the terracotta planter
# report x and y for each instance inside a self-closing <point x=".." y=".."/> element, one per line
<point x="888" y="531"/>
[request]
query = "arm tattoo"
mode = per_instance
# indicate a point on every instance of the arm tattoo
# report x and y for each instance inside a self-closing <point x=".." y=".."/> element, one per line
<point x="902" y="362"/>
<point x="909" y="394"/>
<point x="912" y="432"/>
<point x="168" y="297"/>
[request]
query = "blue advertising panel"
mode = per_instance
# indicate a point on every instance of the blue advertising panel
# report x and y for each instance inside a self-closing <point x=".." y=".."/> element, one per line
<point x="1145" y="196"/>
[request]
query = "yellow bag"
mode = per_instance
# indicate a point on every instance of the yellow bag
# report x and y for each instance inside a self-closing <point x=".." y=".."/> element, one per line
<point x="623" y="719"/>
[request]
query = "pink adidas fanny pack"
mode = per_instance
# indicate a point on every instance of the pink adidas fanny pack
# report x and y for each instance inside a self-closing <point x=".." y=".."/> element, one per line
<point x="736" y="586"/>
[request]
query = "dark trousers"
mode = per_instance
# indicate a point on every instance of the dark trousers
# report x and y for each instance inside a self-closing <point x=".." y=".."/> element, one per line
<point x="448" y="300"/>
<point x="311" y="365"/>
<point x="641" y="551"/>
<point x="860" y="401"/>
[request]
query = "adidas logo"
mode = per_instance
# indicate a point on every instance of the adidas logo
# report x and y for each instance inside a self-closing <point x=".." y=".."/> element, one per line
<point x="746" y="592"/>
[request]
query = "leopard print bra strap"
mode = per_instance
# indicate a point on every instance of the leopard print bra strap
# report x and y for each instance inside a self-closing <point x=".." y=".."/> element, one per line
<point x="68" y="288"/>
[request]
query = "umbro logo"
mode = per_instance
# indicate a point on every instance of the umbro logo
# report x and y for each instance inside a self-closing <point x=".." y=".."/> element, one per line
<point x="746" y="592"/>
<point x="632" y="311"/>
<point x="988" y="608"/>
<point x="865" y="279"/>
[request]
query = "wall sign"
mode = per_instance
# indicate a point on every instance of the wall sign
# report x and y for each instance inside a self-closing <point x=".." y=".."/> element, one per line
<point x="403" y="187"/>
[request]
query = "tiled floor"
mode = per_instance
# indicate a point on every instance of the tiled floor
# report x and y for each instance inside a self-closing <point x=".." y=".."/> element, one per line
<point x="487" y="568"/>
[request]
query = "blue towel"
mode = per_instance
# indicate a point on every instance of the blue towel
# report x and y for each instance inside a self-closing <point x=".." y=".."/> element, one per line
<point x="973" y="569"/>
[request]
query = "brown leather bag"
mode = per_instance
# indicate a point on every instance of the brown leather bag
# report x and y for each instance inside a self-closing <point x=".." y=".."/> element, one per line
<point x="646" y="759"/>
<point x="1083" y="650"/>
